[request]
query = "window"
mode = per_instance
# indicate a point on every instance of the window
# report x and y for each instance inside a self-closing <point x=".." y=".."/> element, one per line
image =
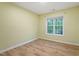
<point x="55" y="25"/>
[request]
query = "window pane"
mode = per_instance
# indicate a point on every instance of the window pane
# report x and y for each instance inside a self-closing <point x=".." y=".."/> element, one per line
<point x="59" y="30"/>
<point x="56" y="23"/>
<point x="50" y="29"/>
<point x="56" y="29"/>
<point x="50" y="21"/>
<point x="59" y="21"/>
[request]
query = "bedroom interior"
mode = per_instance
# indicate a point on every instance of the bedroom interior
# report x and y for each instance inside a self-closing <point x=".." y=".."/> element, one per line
<point x="39" y="29"/>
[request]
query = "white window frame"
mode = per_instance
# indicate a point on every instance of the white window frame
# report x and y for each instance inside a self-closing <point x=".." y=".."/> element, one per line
<point x="46" y="23"/>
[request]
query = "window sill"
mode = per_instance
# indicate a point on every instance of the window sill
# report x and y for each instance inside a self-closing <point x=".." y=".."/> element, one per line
<point x="54" y="34"/>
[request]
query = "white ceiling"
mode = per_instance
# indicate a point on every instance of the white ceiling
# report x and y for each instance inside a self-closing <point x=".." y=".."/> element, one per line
<point x="46" y="7"/>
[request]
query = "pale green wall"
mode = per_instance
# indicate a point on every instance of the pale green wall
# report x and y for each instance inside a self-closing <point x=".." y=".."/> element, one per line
<point x="71" y="26"/>
<point x="16" y="25"/>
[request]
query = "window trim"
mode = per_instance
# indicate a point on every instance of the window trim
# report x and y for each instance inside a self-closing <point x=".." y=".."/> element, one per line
<point x="46" y="23"/>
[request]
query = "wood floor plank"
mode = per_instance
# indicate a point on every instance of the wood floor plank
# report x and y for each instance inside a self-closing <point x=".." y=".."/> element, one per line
<point x="42" y="47"/>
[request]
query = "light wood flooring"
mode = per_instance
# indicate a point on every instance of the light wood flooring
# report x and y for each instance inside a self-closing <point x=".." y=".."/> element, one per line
<point x="43" y="48"/>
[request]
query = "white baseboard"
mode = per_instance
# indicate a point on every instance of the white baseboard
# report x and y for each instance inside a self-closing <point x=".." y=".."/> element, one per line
<point x="70" y="43"/>
<point x="17" y="45"/>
